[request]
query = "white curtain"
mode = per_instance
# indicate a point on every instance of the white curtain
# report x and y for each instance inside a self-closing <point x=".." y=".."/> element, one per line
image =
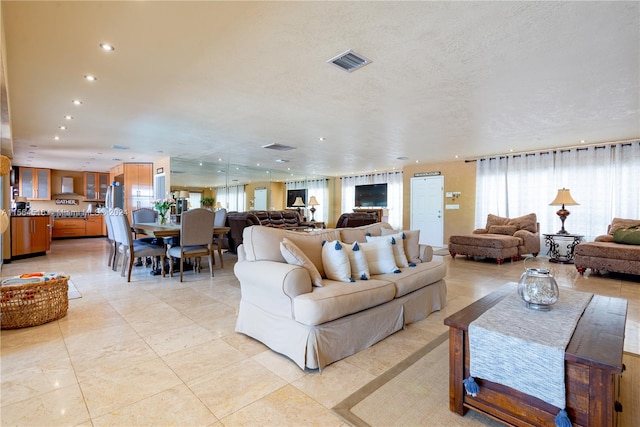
<point x="232" y="198"/>
<point x="602" y="179"/>
<point x="318" y="188"/>
<point x="393" y="180"/>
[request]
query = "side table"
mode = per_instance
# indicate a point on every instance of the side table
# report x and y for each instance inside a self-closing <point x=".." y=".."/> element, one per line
<point x="561" y="246"/>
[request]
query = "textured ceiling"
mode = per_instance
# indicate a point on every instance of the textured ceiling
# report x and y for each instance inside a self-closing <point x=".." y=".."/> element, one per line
<point x="217" y="80"/>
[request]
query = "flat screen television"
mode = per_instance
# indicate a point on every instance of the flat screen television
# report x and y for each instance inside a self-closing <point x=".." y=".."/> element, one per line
<point x="371" y="195"/>
<point x="292" y="194"/>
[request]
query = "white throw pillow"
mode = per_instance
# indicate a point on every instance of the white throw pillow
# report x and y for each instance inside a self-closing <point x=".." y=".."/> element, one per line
<point x="411" y="243"/>
<point x="397" y="245"/>
<point x="335" y="261"/>
<point x="358" y="261"/>
<point x="380" y="257"/>
<point x="294" y="256"/>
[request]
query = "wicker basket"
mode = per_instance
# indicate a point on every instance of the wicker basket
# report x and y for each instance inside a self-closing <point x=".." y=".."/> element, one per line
<point x="32" y="304"/>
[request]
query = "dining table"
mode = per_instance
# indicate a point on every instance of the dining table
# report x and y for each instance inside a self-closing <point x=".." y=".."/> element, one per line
<point x="157" y="230"/>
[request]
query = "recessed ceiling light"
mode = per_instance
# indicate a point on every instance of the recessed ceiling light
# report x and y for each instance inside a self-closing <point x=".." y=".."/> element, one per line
<point x="321" y="138"/>
<point x="107" y="47"/>
<point x="68" y="117"/>
<point x="582" y="141"/>
<point x="119" y="147"/>
<point x="77" y="102"/>
<point x="402" y="158"/>
<point x="456" y="156"/>
<point x="56" y="137"/>
<point x="90" y="77"/>
<point x="200" y="163"/>
<point x="62" y="127"/>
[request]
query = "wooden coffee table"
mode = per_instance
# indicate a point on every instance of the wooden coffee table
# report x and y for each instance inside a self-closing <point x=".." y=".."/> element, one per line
<point x="593" y="365"/>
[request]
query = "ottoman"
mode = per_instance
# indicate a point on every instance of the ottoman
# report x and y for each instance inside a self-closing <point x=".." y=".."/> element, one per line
<point x="496" y="246"/>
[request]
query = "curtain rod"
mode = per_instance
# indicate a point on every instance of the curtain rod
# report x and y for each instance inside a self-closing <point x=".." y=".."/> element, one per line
<point x="554" y="150"/>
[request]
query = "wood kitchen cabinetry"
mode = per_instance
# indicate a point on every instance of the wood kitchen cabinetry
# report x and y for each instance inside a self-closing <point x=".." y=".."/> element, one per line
<point x="35" y="184"/>
<point x="94" y="226"/>
<point x="30" y="235"/>
<point x="89" y="226"/>
<point x="95" y="185"/>
<point x="138" y="185"/>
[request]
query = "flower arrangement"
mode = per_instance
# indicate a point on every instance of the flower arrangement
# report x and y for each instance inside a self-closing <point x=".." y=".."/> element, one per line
<point x="162" y="206"/>
<point x="207" y="201"/>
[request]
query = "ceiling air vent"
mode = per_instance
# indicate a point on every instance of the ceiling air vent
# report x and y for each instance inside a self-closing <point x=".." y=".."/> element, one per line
<point x="278" y="147"/>
<point x="349" y="61"/>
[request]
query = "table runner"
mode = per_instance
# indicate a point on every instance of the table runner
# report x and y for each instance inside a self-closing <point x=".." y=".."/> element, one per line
<point x="524" y="348"/>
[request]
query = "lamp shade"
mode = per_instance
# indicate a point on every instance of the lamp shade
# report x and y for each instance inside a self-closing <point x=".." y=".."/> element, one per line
<point x="184" y="194"/>
<point x="313" y="201"/>
<point x="298" y="202"/>
<point x="218" y="205"/>
<point x="563" y="198"/>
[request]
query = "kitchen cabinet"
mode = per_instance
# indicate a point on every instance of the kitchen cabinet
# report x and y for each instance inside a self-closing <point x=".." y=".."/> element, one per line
<point x="35" y="184"/>
<point x="138" y="186"/>
<point x="95" y="185"/>
<point x="30" y="235"/>
<point x="94" y="225"/>
<point x="69" y="227"/>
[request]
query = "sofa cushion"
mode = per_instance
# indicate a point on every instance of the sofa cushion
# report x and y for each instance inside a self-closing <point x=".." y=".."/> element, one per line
<point x="527" y="222"/>
<point x="335" y="260"/>
<point x="337" y="299"/>
<point x="379" y="254"/>
<point x="413" y="278"/>
<point x="604" y="238"/>
<point x="618" y="223"/>
<point x="358" y="234"/>
<point x="496" y="241"/>
<point x="496" y="220"/>
<point x="358" y="261"/>
<point x="263" y="243"/>
<point x="294" y="256"/>
<point x="411" y="243"/>
<point x="396" y="245"/>
<point x="507" y="230"/>
<point x="628" y="236"/>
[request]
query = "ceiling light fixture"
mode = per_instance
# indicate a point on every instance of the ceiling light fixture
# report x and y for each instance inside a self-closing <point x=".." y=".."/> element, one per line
<point x="107" y="47"/>
<point x="90" y="77"/>
<point x="68" y="117"/>
<point x="77" y="102"/>
<point x="62" y="127"/>
<point x="582" y="141"/>
<point x="56" y="137"/>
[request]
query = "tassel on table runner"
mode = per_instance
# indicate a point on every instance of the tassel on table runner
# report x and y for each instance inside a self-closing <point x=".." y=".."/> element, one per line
<point x="562" y="419"/>
<point x="471" y="386"/>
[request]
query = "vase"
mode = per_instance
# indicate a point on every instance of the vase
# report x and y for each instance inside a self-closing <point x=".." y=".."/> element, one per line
<point x="538" y="288"/>
<point x="162" y="216"/>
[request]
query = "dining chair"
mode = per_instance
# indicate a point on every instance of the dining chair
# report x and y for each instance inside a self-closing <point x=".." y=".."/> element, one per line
<point x="219" y="220"/>
<point x="113" y="246"/>
<point x="131" y="248"/>
<point x="195" y="241"/>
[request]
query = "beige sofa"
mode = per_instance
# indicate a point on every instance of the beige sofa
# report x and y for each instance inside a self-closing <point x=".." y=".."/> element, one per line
<point x="317" y="325"/>
<point x="500" y="239"/>
<point x="604" y="254"/>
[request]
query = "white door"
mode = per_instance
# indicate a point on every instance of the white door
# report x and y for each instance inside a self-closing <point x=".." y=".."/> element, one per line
<point x="427" y="203"/>
<point x="260" y="196"/>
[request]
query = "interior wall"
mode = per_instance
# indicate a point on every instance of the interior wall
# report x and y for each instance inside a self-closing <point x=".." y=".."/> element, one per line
<point x="459" y="176"/>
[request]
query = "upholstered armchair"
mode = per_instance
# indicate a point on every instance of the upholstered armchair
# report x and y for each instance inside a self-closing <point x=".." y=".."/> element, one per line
<point x="501" y="238"/>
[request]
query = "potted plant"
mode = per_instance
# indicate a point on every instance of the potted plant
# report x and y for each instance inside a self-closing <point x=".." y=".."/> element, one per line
<point x="207" y="202"/>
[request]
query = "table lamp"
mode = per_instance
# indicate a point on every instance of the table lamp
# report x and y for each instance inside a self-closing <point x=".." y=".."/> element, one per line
<point x="218" y="205"/>
<point x="298" y="203"/>
<point x="563" y="198"/>
<point x="313" y="202"/>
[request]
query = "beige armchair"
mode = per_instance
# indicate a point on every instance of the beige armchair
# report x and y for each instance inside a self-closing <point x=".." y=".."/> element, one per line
<point x="500" y="239"/>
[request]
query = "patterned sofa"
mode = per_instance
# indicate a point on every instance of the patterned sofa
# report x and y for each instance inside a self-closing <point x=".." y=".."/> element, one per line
<point x="501" y="238"/>
<point x="604" y="254"/>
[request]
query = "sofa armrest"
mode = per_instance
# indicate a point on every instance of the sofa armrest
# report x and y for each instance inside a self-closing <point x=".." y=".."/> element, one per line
<point x="272" y="285"/>
<point x="604" y="238"/>
<point x="426" y="253"/>
<point x="480" y="231"/>
<point x="531" y="242"/>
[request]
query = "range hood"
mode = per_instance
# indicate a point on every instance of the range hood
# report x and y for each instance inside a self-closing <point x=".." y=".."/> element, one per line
<point x="67" y="189"/>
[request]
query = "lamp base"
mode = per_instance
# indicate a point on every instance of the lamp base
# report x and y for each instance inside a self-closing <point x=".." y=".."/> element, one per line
<point x="313" y="211"/>
<point x="563" y="214"/>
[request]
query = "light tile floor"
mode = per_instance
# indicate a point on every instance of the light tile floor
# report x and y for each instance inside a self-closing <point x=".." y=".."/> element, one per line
<point x="159" y="352"/>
